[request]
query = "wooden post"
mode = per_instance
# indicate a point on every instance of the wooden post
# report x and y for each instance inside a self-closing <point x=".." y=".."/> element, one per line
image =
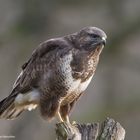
<point x="107" y="130"/>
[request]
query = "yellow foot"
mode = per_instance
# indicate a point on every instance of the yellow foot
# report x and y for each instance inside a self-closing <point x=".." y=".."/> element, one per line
<point x="74" y="123"/>
<point x="59" y="117"/>
<point x="67" y="119"/>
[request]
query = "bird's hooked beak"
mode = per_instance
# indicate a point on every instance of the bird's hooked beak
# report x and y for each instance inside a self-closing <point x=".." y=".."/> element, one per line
<point x="104" y="41"/>
<point x="98" y="45"/>
<point x="99" y="42"/>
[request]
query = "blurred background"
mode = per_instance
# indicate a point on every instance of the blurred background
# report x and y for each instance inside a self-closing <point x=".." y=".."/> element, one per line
<point x="114" y="91"/>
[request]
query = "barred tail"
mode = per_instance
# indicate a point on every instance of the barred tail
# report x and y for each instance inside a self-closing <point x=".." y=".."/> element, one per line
<point x="8" y="109"/>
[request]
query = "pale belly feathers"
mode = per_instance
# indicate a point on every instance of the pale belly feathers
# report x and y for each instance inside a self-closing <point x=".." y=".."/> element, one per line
<point x="81" y="87"/>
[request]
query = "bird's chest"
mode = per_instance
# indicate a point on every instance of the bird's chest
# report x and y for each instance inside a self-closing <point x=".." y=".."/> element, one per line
<point x="73" y="74"/>
<point x="74" y="94"/>
<point x="84" y="69"/>
<point x="81" y="75"/>
<point x="83" y="85"/>
<point x="65" y="74"/>
<point x="59" y="79"/>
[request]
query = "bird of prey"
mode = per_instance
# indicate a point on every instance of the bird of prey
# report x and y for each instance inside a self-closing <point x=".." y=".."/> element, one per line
<point x="56" y="75"/>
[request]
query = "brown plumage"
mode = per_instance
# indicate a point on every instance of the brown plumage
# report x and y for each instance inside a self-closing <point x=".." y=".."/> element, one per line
<point x="56" y="75"/>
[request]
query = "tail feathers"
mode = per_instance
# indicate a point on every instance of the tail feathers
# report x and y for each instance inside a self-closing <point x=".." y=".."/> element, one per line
<point x="8" y="109"/>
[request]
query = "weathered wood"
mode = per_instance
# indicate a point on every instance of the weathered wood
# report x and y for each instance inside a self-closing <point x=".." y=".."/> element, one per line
<point x="108" y="130"/>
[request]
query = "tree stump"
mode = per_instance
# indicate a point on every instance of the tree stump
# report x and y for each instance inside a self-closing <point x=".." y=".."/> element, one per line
<point x="107" y="130"/>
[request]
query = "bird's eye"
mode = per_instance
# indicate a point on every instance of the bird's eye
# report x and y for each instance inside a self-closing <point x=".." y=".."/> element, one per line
<point x="94" y="35"/>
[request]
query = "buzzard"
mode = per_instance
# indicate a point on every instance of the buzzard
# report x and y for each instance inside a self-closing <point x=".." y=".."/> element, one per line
<point x="56" y="75"/>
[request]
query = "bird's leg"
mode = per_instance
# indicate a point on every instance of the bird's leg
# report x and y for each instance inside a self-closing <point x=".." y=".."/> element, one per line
<point x="59" y="117"/>
<point x="67" y="119"/>
<point x="64" y="112"/>
<point x="64" y="119"/>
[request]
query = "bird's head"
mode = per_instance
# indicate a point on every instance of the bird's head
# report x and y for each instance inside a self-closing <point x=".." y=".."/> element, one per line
<point x="91" y="39"/>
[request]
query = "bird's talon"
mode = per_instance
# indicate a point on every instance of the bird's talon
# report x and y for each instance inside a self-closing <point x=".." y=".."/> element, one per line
<point x="74" y="123"/>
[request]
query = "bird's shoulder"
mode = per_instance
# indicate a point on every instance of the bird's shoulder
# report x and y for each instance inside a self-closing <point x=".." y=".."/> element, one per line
<point x="45" y="48"/>
<point x="39" y="60"/>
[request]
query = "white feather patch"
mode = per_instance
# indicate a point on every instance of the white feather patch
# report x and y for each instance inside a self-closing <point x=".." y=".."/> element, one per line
<point x="32" y="97"/>
<point x="82" y="87"/>
<point x="30" y="107"/>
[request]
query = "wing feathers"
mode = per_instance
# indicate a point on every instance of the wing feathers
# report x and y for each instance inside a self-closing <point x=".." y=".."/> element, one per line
<point x="28" y="79"/>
